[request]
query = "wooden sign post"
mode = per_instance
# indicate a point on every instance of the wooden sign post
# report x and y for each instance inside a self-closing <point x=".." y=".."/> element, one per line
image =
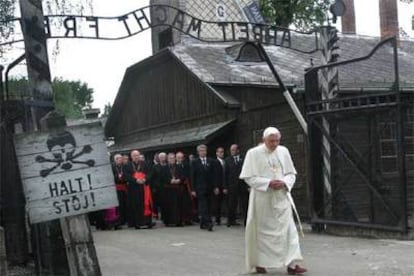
<point x="48" y="240"/>
<point x="66" y="173"/>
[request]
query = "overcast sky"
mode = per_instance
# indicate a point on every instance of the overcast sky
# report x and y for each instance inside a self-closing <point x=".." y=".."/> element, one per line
<point x="102" y="64"/>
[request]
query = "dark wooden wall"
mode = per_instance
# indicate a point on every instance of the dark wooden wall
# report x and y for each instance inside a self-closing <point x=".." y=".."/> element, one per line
<point x="352" y="199"/>
<point x="163" y="92"/>
<point x="263" y="107"/>
<point x="372" y="138"/>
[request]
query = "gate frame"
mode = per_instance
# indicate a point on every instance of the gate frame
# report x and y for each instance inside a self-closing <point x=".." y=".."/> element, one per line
<point x="316" y="132"/>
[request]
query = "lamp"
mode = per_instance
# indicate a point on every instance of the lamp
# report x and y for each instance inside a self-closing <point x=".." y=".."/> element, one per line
<point x="337" y="9"/>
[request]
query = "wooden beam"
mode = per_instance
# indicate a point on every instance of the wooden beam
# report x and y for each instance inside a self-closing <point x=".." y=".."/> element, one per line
<point x="80" y="249"/>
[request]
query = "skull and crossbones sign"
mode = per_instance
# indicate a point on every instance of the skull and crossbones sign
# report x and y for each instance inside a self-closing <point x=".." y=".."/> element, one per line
<point x="62" y="145"/>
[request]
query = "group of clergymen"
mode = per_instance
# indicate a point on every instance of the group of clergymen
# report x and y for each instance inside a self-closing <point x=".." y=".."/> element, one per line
<point x="177" y="190"/>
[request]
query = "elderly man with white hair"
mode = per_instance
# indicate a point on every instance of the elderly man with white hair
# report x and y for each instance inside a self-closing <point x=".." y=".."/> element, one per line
<point x="272" y="239"/>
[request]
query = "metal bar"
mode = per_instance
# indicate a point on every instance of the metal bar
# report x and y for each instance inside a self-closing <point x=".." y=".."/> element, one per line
<point x="339" y="63"/>
<point x="359" y="97"/>
<point x="336" y="111"/>
<point x="356" y="224"/>
<point x="11" y="66"/>
<point x="1" y="88"/>
<point x="285" y="92"/>
<point x="400" y="142"/>
<point x="361" y="173"/>
<point x="38" y="103"/>
<point x="367" y="153"/>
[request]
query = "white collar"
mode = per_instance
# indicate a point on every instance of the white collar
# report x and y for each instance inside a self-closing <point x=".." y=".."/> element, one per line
<point x="268" y="151"/>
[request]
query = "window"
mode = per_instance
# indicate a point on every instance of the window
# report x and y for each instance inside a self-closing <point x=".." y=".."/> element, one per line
<point x="245" y="52"/>
<point x="388" y="144"/>
<point x="388" y="147"/>
<point x="165" y="38"/>
<point x="250" y="53"/>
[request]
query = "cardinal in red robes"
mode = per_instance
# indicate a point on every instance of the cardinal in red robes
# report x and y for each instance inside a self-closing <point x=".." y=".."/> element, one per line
<point x="139" y="193"/>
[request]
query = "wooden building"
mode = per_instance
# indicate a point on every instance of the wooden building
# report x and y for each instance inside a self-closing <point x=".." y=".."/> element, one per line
<point x="220" y="94"/>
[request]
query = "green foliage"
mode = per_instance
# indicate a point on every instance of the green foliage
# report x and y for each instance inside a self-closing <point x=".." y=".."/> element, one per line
<point x="70" y="96"/>
<point x="303" y="14"/>
<point x="18" y="88"/>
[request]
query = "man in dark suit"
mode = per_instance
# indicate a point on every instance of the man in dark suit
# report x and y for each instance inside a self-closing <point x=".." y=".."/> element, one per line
<point x="235" y="188"/>
<point x="202" y="179"/>
<point x="219" y="178"/>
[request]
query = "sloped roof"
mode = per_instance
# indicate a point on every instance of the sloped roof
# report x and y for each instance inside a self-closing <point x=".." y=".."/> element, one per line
<point x="212" y="64"/>
<point x="176" y="138"/>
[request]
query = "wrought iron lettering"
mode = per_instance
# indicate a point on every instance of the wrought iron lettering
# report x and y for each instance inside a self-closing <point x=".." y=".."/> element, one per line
<point x="137" y="21"/>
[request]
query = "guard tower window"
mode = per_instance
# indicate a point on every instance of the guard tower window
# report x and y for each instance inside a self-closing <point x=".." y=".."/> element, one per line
<point x="165" y="38"/>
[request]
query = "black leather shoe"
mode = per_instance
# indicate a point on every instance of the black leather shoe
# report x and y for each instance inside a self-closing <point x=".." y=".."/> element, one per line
<point x="210" y="227"/>
<point x="151" y="225"/>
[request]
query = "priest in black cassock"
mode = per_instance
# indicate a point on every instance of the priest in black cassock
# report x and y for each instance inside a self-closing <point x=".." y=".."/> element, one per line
<point x="118" y="169"/>
<point x="139" y="195"/>
<point x="189" y="209"/>
<point x="156" y="183"/>
<point x="172" y="178"/>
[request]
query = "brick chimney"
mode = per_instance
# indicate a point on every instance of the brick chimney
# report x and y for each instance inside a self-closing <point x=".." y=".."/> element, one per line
<point x="388" y="18"/>
<point x="348" y="19"/>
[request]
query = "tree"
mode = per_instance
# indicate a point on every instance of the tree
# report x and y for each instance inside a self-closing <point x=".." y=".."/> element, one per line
<point x="6" y="23"/>
<point x="6" y="14"/>
<point x="70" y="97"/>
<point x="303" y="14"/>
<point x="107" y="109"/>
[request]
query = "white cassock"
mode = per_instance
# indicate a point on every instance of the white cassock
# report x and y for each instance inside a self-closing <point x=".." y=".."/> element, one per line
<point x="272" y="239"/>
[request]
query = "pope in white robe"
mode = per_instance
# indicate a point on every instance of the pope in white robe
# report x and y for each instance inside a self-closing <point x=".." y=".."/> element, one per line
<point x="272" y="239"/>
